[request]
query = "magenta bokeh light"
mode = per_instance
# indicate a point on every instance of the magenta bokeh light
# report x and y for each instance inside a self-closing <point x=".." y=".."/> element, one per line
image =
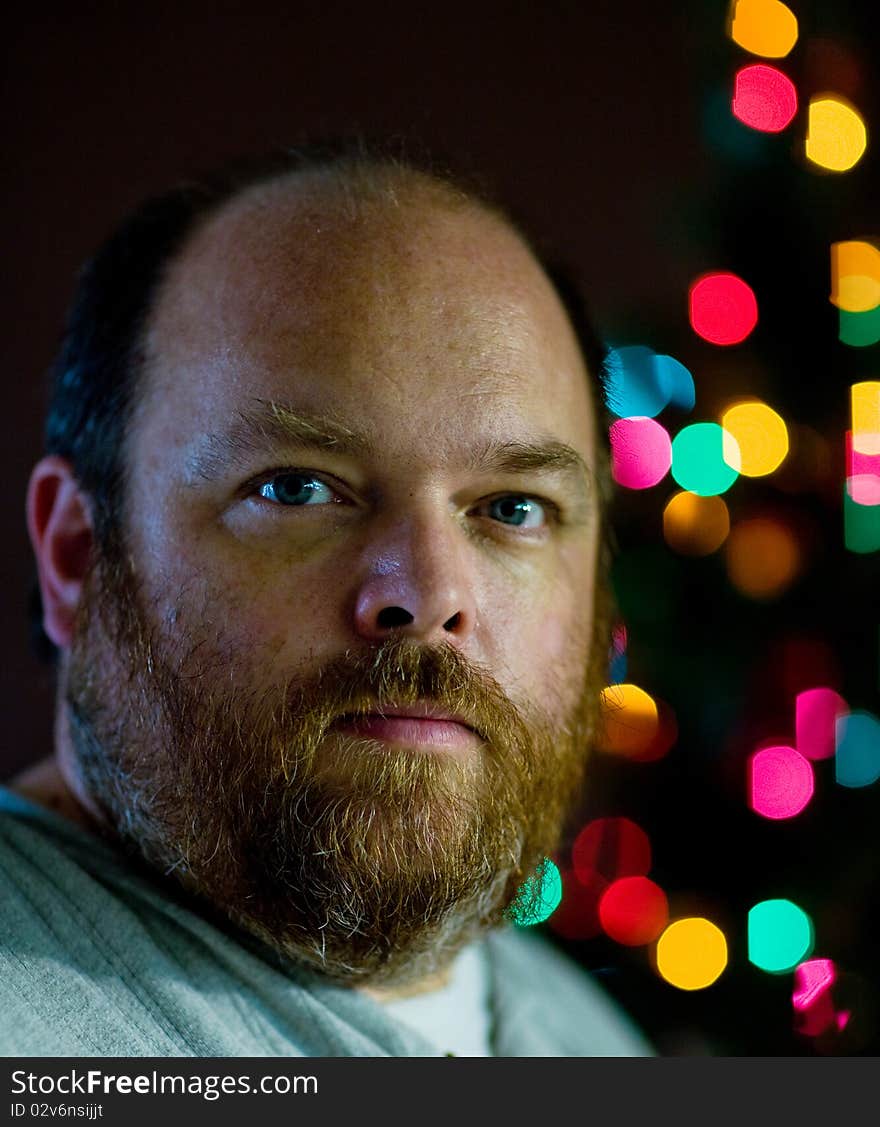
<point x="780" y="782"/>
<point x="815" y="715"/>
<point x="641" y="452"/>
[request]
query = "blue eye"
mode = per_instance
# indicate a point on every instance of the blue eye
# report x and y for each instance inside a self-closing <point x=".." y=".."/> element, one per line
<point x="294" y="489"/>
<point x="519" y="511"/>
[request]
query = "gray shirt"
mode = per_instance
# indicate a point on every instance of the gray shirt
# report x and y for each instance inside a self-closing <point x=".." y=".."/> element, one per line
<point x="101" y="958"/>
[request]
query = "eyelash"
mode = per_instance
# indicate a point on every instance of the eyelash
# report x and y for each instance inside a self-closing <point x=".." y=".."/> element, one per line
<point x="552" y="510"/>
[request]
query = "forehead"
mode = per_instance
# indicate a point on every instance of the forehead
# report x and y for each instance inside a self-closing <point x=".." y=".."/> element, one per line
<point x="404" y="310"/>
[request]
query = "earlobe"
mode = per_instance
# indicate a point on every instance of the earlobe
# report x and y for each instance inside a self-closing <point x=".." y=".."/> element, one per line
<point x="60" y="527"/>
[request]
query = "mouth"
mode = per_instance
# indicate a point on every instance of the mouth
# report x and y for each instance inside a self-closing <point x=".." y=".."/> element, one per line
<point x="413" y="726"/>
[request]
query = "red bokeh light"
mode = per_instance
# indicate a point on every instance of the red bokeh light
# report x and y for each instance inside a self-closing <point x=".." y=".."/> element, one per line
<point x="633" y="911"/>
<point x="611" y="847"/>
<point x="577" y="916"/>
<point x="764" y="98"/>
<point x="723" y="308"/>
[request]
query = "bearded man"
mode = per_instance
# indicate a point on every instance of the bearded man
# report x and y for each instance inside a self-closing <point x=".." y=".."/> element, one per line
<point x="318" y="543"/>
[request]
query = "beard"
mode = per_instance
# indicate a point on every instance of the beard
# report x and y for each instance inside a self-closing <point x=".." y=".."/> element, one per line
<point x="372" y="863"/>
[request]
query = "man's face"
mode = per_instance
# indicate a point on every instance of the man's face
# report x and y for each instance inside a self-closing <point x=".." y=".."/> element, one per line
<point x="275" y="595"/>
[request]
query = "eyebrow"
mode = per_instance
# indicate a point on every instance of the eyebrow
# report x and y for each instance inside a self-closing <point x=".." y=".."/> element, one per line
<point x="270" y="426"/>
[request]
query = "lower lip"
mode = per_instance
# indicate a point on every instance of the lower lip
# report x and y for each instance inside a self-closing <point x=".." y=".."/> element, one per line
<point x="412" y="731"/>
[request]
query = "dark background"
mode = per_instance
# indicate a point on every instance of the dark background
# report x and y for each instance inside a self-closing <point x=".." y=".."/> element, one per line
<point x="606" y="128"/>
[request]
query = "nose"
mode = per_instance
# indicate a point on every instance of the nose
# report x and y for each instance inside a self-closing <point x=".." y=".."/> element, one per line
<point x="417" y="584"/>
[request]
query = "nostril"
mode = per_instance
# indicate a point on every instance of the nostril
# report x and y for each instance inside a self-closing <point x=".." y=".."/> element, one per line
<point x="394" y="616"/>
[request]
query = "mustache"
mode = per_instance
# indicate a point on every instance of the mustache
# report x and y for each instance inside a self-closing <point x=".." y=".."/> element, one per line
<point x="400" y="673"/>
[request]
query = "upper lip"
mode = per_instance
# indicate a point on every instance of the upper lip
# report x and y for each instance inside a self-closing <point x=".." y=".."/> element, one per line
<point x="421" y="710"/>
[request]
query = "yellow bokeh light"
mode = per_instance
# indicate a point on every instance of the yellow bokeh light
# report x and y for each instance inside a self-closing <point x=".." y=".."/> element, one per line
<point x="695" y="525"/>
<point x="836" y="134"/>
<point x="630" y="720"/>
<point x="691" y="953"/>
<point x="855" y="275"/>
<point x="865" y="402"/>
<point x="762" y="556"/>
<point x="761" y="437"/>
<point x="764" y="27"/>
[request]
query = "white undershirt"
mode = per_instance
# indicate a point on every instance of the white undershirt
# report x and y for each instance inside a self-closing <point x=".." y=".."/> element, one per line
<point x="457" y="1017"/>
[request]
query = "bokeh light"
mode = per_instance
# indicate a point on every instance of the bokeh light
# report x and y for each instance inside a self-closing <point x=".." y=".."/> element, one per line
<point x="763" y="557"/>
<point x="816" y="712"/>
<point x="861" y="525"/>
<point x="865" y="415"/>
<point x="864" y="489"/>
<point x="664" y="738"/>
<point x="639" y="382"/>
<point x="722" y="308"/>
<point x="676" y="381"/>
<point x="694" y="525"/>
<point x="859" y="330"/>
<point x="857" y="758"/>
<point x="836" y="134"/>
<point x="863" y="469"/>
<point x="577" y="916"/>
<point x="780" y="782"/>
<point x="612" y="848"/>
<point x="812" y="999"/>
<point x="761" y="437"/>
<point x="764" y="98"/>
<point x="641" y="452"/>
<point x="633" y="911"/>
<point x="630" y="720"/>
<point x="764" y="27"/>
<point x="538" y="897"/>
<point x="691" y="953"/>
<point x="855" y="275"/>
<point x="701" y="459"/>
<point x="780" y="935"/>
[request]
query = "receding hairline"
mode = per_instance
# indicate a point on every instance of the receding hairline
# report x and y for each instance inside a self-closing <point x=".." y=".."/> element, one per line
<point x="336" y="211"/>
<point x="356" y="182"/>
<point x="347" y="195"/>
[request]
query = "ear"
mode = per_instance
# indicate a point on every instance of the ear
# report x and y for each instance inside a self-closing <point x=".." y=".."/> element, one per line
<point x="60" y="526"/>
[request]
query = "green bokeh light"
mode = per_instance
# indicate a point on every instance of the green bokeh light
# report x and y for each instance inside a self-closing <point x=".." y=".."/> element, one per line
<point x="861" y="525"/>
<point x="698" y="460"/>
<point x="859" y="330"/>
<point x="780" y="935"/>
<point x="538" y="897"/>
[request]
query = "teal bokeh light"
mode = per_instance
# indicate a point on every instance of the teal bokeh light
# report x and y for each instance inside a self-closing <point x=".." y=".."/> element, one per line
<point x="780" y="935"/>
<point x="639" y="382"/>
<point x="698" y="460"/>
<point x="857" y="740"/>
<point x="538" y="897"/>
<point x="633" y="385"/>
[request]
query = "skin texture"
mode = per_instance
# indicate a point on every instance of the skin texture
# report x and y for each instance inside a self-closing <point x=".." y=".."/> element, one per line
<point x="205" y="662"/>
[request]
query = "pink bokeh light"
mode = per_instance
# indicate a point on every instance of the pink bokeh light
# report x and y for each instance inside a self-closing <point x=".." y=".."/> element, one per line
<point x="863" y="471"/>
<point x="815" y="715"/>
<point x="812" y="999"/>
<point x="780" y="782"/>
<point x="641" y="452"/>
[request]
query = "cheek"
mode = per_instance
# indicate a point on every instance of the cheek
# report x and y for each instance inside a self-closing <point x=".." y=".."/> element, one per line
<point x="279" y="614"/>
<point x="246" y="616"/>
